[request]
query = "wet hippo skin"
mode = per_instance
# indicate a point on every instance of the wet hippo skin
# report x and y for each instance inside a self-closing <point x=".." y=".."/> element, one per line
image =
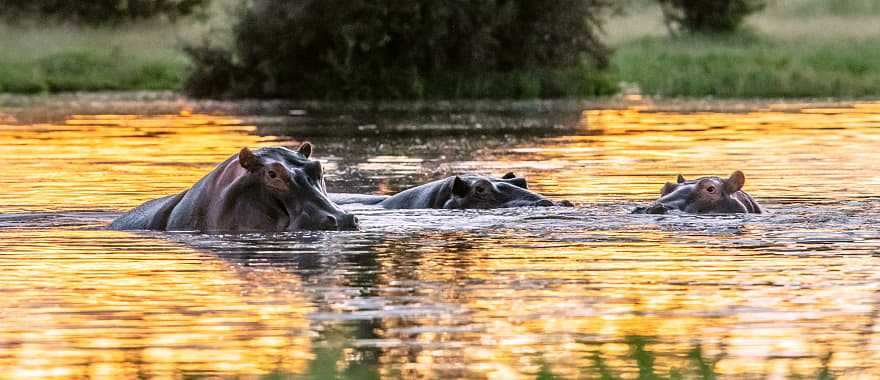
<point x="470" y="191"/>
<point x="271" y="189"/>
<point x="706" y="195"/>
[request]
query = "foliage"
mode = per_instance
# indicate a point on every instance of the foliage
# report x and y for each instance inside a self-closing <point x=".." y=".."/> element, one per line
<point x="748" y="66"/>
<point x="321" y="49"/>
<point x="90" y="71"/>
<point x="708" y="16"/>
<point x="97" y="12"/>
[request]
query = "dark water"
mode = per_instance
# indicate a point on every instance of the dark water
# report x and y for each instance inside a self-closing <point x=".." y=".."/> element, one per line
<point x="501" y="294"/>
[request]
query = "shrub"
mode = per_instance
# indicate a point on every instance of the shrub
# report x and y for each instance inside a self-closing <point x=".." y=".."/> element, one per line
<point x="97" y="12"/>
<point x="322" y="49"/>
<point x="707" y="16"/>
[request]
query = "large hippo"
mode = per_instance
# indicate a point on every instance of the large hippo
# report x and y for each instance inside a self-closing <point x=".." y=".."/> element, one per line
<point x="470" y="191"/>
<point x="704" y="196"/>
<point x="271" y="189"/>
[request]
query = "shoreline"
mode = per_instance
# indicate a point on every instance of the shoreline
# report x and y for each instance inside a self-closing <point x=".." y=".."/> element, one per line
<point x="169" y="102"/>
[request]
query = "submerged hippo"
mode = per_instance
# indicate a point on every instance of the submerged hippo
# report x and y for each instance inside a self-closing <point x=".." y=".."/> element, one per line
<point x="468" y="191"/>
<point x="271" y="189"/>
<point x="704" y="195"/>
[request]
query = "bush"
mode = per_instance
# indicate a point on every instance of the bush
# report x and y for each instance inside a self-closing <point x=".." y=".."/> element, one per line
<point x="707" y="16"/>
<point x="322" y="49"/>
<point x="97" y="12"/>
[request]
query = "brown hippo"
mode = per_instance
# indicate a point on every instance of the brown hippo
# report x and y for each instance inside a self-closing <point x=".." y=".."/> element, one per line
<point x="271" y="189"/>
<point x="704" y="196"/>
<point x="470" y="191"/>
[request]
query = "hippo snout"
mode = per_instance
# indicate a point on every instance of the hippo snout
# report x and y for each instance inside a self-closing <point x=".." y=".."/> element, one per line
<point x="544" y="203"/>
<point x="343" y="222"/>
<point x="347" y="222"/>
<point x="656" y="209"/>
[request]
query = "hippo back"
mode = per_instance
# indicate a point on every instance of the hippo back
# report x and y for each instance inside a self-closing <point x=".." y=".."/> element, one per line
<point x="272" y="189"/>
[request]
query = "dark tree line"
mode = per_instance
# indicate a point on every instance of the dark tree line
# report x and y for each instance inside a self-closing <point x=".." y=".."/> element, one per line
<point x="96" y="12"/>
<point x="342" y="49"/>
<point x="708" y="16"/>
<point x="394" y="48"/>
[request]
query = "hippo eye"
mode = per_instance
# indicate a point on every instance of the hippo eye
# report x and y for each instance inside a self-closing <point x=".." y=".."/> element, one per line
<point x="272" y="174"/>
<point x="479" y="190"/>
<point x="710" y="189"/>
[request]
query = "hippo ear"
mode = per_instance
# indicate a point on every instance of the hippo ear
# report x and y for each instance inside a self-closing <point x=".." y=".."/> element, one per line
<point x="248" y="160"/>
<point x="460" y="187"/>
<point x="735" y="182"/>
<point x="681" y="179"/>
<point x="667" y="188"/>
<point x="509" y="175"/>
<point x="305" y="149"/>
<point x="519" y="182"/>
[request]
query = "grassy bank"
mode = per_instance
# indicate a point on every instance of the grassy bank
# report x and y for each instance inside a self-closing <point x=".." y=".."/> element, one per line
<point x="795" y="48"/>
<point x="750" y="66"/>
<point x="65" y="58"/>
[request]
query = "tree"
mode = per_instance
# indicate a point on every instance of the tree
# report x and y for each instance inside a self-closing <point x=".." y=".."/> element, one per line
<point x="394" y="48"/>
<point x="97" y="12"/>
<point x="708" y="16"/>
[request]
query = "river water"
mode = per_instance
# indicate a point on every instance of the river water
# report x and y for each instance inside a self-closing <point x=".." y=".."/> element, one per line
<point x="527" y="293"/>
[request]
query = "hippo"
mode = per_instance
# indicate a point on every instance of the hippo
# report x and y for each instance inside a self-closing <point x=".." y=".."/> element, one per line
<point x="469" y="191"/>
<point x="706" y="195"/>
<point x="270" y="189"/>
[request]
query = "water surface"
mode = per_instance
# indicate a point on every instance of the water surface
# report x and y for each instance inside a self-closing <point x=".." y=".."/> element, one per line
<point x="501" y="294"/>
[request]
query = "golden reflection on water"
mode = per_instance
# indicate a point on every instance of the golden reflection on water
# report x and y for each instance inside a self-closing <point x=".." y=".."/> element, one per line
<point x="79" y="302"/>
<point x="112" y="160"/>
<point x="819" y="153"/>
<point x="143" y="307"/>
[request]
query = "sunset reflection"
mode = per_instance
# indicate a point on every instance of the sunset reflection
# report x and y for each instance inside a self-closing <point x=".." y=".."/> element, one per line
<point x="501" y="294"/>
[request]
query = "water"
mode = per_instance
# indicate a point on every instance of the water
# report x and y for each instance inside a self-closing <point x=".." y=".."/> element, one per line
<point x="501" y="294"/>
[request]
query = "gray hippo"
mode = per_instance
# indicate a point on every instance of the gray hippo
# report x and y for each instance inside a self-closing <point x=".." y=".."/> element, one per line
<point x="470" y="191"/>
<point x="271" y="189"/>
<point x="703" y="196"/>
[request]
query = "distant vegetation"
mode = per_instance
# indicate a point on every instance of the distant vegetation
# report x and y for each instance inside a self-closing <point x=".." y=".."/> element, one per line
<point x="36" y="59"/>
<point x="708" y="16"/>
<point x="495" y="49"/>
<point x="746" y="65"/>
<point x="341" y="49"/>
<point x="96" y="12"/>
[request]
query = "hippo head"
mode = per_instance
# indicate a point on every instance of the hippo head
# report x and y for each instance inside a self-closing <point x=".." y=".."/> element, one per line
<point x="291" y="182"/>
<point x="481" y="192"/>
<point x="701" y="196"/>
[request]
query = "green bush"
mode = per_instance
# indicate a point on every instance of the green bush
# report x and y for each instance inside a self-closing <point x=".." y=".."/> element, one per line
<point x="708" y="16"/>
<point x="97" y="12"/>
<point x="332" y="49"/>
<point x="21" y="78"/>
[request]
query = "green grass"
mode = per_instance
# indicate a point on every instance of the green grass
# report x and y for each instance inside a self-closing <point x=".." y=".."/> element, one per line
<point x="84" y="70"/>
<point x="749" y="66"/>
<point x="66" y="58"/>
<point x="795" y="48"/>
<point x="578" y="82"/>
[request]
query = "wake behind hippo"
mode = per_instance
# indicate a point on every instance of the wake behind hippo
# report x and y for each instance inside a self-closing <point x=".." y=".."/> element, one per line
<point x="704" y="196"/>
<point x="271" y="189"/>
<point x="469" y="191"/>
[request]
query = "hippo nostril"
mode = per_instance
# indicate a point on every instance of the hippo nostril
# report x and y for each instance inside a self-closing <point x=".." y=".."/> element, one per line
<point x="564" y="203"/>
<point x="656" y="209"/>
<point x="346" y="222"/>
<point x="544" y="203"/>
<point x="330" y="222"/>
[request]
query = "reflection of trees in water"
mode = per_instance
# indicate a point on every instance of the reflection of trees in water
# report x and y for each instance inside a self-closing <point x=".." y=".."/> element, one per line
<point x="343" y="273"/>
<point x="366" y="289"/>
<point x="367" y="147"/>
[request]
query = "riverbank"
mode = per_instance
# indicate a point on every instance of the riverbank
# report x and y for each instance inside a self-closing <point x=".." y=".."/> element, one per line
<point x="793" y="49"/>
<point x="17" y="108"/>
